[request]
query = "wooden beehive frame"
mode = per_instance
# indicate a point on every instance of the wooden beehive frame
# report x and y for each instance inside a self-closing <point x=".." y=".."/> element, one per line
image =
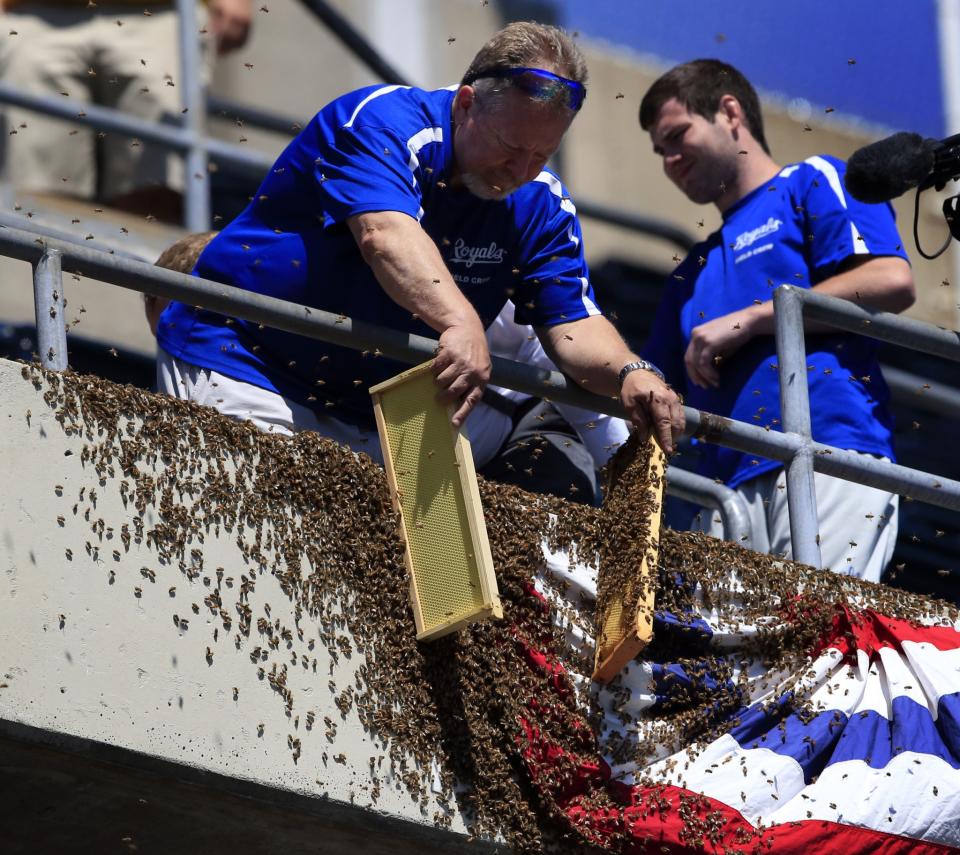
<point x="621" y="636"/>
<point x="454" y="589"/>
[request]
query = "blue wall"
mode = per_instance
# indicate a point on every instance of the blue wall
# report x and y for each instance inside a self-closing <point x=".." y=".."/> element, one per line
<point x="799" y="48"/>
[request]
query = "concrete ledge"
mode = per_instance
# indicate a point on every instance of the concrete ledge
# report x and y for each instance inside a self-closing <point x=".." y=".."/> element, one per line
<point x="118" y="678"/>
<point x="63" y="794"/>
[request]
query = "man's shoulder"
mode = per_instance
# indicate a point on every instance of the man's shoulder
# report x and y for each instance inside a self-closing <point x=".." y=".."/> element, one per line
<point x="545" y="195"/>
<point x="390" y="106"/>
<point x="815" y="169"/>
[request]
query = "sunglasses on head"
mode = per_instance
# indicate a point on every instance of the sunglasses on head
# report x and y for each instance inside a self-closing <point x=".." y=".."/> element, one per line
<point x="537" y="82"/>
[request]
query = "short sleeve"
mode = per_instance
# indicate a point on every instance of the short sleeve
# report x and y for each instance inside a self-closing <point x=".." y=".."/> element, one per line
<point x="838" y="226"/>
<point x="665" y="346"/>
<point x="365" y="169"/>
<point x="555" y="286"/>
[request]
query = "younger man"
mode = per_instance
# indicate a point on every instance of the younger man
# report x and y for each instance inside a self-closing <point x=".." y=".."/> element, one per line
<point x="713" y="335"/>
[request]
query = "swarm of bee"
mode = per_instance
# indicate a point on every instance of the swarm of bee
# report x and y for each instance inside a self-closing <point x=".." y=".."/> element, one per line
<point x="313" y="523"/>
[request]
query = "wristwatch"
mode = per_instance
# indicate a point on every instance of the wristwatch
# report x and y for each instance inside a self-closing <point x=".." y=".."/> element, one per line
<point x="634" y="366"/>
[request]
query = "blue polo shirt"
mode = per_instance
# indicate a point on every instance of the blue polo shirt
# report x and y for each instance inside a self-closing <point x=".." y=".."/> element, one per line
<point x="385" y="148"/>
<point x="797" y="229"/>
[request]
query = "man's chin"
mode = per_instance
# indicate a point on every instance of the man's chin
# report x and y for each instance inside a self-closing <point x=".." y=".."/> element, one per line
<point x="701" y="195"/>
<point x="484" y="189"/>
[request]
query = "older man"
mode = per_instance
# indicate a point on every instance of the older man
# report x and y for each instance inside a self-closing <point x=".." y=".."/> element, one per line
<point x="423" y="211"/>
<point x="713" y="334"/>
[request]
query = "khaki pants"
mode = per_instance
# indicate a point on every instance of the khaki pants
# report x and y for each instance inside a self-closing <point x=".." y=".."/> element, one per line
<point x="115" y="56"/>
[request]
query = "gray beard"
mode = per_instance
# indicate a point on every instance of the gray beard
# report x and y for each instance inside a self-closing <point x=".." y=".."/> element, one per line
<point x="481" y="189"/>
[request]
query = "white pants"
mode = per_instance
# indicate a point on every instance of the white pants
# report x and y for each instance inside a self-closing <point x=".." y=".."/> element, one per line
<point x="274" y="413"/>
<point x="243" y="401"/>
<point x="857" y="524"/>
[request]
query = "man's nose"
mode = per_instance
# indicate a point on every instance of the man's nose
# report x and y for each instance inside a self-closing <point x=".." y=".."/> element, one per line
<point x="524" y="168"/>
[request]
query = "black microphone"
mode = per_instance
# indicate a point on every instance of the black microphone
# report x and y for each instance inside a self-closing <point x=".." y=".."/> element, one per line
<point x="888" y="168"/>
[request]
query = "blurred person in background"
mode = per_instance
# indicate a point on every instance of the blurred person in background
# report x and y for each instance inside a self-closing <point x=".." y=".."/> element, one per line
<point x="123" y="55"/>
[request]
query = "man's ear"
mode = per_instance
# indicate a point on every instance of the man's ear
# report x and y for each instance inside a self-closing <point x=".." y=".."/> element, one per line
<point x="731" y="111"/>
<point x="463" y="102"/>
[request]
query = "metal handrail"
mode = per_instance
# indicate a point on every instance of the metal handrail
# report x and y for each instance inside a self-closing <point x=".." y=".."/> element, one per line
<point x="193" y="100"/>
<point x="265" y="120"/>
<point x="180" y="139"/>
<point x="45" y="232"/>
<point x="914" y="391"/>
<point x="354" y="40"/>
<point x="732" y="507"/>
<point x="405" y="347"/>
<point x="52" y="345"/>
<point x="791" y="306"/>
<point x="873" y="323"/>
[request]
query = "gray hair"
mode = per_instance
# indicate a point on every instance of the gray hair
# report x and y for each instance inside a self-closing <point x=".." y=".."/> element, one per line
<point x="525" y="44"/>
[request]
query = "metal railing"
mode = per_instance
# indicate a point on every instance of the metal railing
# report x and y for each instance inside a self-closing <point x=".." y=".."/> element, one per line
<point x="729" y="504"/>
<point x="794" y="446"/>
<point x="52" y="349"/>
<point x="791" y="305"/>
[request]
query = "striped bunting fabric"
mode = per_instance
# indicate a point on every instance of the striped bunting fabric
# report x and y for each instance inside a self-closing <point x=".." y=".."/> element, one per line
<point x="868" y="763"/>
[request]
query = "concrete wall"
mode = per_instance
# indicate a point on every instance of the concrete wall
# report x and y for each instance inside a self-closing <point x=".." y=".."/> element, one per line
<point x="111" y="653"/>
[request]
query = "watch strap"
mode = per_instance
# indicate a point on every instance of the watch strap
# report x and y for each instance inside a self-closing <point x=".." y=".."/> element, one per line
<point x="640" y="364"/>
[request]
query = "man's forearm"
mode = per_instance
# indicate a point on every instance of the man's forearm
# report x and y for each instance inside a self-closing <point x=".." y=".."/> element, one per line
<point x="590" y="351"/>
<point x="409" y="268"/>
<point x="877" y="283"/>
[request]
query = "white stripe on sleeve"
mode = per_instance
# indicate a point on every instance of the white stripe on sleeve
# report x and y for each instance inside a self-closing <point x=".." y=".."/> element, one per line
<point x="414" y="144"/>
<point x="588" y="304"/>
<point x="418" y="141"/>
<point x="384" y="90"/>
<point x="829" y="171"/>
<point x="556" y="188"/>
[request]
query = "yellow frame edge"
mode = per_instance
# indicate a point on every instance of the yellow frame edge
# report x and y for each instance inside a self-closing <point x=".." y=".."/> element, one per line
<point x="476" y="527"/>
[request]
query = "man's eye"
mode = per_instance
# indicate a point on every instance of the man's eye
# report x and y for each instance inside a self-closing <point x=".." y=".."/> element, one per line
<point x="509" y="148"/>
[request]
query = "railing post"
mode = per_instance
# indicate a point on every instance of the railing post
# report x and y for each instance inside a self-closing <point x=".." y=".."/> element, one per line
<point x="196" y="189"/>
<point x="48" y="308"/>
<point x="795" y="416"/>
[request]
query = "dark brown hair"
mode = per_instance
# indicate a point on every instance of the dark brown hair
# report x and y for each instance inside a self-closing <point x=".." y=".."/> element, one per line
<point x="699" y="85"/>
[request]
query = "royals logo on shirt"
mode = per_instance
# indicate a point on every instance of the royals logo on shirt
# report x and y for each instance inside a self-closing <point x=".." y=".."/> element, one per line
<point x="468" y="255"/>
<point x="746" y="240"/>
